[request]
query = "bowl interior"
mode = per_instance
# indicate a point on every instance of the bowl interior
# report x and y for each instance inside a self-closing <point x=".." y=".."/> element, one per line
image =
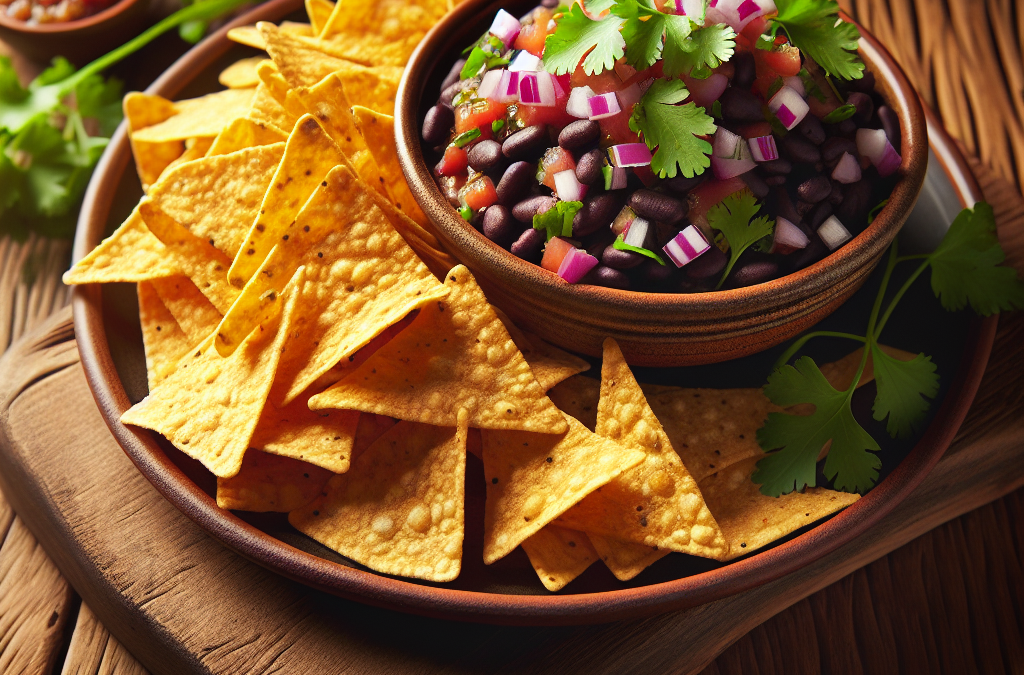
<point x="53" y="29"/>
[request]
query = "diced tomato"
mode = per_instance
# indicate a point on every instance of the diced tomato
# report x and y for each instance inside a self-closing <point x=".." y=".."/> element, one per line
<point x="601" y="83"/>
<point x="646" y="175"/>
<point x="479" y="113"/>
<point x="554" y="252"/>
<point x="554" y="160"/>
<point x="532" y="36"/>
<point x="454" y="161"/>
<point x="754" y="130"/>
<point x="655" y="71"/>
<point x="709" y="193"/>
<point x="553" y="116"/>
<point x="755" y="29"/>
<point x="765" y="80"/>
<point x="615" y="130"/>
<point x="784" y="60"/>
<point x="479" y="194"/>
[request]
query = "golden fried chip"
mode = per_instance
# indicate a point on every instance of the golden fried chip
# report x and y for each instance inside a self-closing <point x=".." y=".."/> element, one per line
<point x="840" y="373"/>
<point x="208" y="408"/>
<point x="534" y="478"/>
<point x="327" y="102"/>
<point x="370" y="428"/>
<point x="379" y="132"/>
<point x="308" y="156"/>
<point x="624" y="558"/>
<point x="374" y="87"/>
<point x="300" y="60"/>
<point x="656" y="503"/>
<point x="385" y="32"/>
<point x="280" y="89"/>
<point x="578" y="396"/>
<point x="197" y="117"/>
<point x="266" y="110"/>
<point x="241" y="74"/>
<point x="189" y="307"/>
<point x="751" y="520"/>
<point x="195" y="148"/>
<point x="318" y="11"/>
<point x="131" y="253"/>
<point x="245" y="133"/>
<point x="271" y="483"/>
<point x="217" y="198"/>
<point x="559" y="555"/>
<point x="145" y="110"/>
<point x="399" y="509"/>
<point x="162" y="338"/>
<point x="250" y="35"/>
<point x="550" y="365"/>
<point x="323" y="437"/>
<point x="455" y="354"/>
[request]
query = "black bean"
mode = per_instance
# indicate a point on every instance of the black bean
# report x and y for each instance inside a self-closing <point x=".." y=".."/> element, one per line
<point x="745" y="71"/>
<point x="798" y="149"/>
<point x="741" y="105"/>
<point x="756" y="184"/>
<point x="753" y="273"/>
<point x="856" y="202"/>
<point x="775" y="181"/>
<point x="777" y="166"/>
<point x="835" y="198"/>
<point x="658" y="206"/>
<point x="815" y="189"/>
<point x="812" y="129"/>
<point x="485" y="155"/>
<point x="621" y="260"/>
<point x="577" y="134"/>
<point x="864" y="105"/>
<point x="527" y="142"/>
<point x="708" y="265"/>
<point x="832" y="150"/>
<point x="514" y="183"/>
<point x="653" y="273"/>
<point x="499" y="226"/>
<point x="597" y="212"/>
<point x="438" y="124"/>
<point x="602" y="275"/>
<point x="681" y="184"/>
<point x="819" y="214"/>
<point x="891" y="124"/>
<point x="847" y="127"/>
<point x="784" y="206"/>
<point x="865" y="84"/>
<point x="525" y="210"/>
<point x="449" y="93"/>
<point x="453" y="75"/>
<point x="808" y="255"/>
<point x="803" y="208"/>
<point x="529" y="244"/>
<point x="588" y="169"/>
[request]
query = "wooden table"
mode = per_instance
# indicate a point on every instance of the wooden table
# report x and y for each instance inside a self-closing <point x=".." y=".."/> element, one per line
<point x="949" y="601"/>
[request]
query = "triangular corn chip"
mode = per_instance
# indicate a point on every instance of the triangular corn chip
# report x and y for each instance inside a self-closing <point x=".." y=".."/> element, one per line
<point x="323" y="437"/>
<point x="399" y="509"/>
<point x="271" y="483"/>
<point x="209" y="406"/>
<point x="189" y="307"/>
<point x="840" y="373"/>
<point x="455" y="354"/>
<point x="370" y="428"/>
<point x="217" y="198"/>
<point x="266" y="110"/>
<point x="162" y="338"/>
<point x="578" y="396"/>
<point x="379" y="132"/>
<point x="279" y="88"/>
<point x="624" y="558"/>
<point x="309" y="155"/>
<point x="374" y="87"/>
<point x="534" y="478"/>
<point x="300" y="60"/>
<point x="656" y="503"/>
<point x="195" y="148"/>
<point x="559" y="555"/>
<point x="250" y="35"/>
<point x="245" y="133"/>
<point x="318" y="11"/>
<point x="241" y="74"/>
<point x="132" y="253"/>
<point x="550" y="365"/>
<point x="145" y="110"/>
<point x="327" y="102"/>
<point x="385" y="32"/>
<point x="203" y="116"/>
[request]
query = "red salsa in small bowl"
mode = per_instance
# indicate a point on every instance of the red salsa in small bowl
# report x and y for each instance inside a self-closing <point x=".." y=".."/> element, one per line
<point x="52" y="11"/>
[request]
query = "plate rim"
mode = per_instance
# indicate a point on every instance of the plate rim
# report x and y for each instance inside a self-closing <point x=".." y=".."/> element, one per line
<point x="475" y="606"/>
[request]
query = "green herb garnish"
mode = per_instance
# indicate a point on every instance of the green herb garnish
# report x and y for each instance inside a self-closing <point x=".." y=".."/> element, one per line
<point x="843" y="112"/>
<point x="814" y="27"/>
<point x="466" y="137"/>
<point x="734" y="217"/>
<point x="623" y="246"/>
<point x="673" y="129"/>
<point x="557" y="221"/>
<point x="576" y="36"/>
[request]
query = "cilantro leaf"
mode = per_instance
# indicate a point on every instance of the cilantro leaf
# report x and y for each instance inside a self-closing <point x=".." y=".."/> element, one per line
<point x="620" y="245"/>
<point x="642" y="36"/>
<point x="965" y="266"/>
<point x="576" y="36"/>
<point x="734" y="217"/>
<point x="673" y="129"/>
<point x="703" y="51"/>
<point x="557" y="221"/>
<point x="851" y="461"/>
<point x="901" y="388"/>
<point x="597" y="7"/>
<point x="814" y="27"/>
<point x="677" y="35"/>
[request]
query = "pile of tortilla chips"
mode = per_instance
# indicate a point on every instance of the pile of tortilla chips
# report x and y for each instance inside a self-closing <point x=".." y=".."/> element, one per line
<point x="310" y="342"/>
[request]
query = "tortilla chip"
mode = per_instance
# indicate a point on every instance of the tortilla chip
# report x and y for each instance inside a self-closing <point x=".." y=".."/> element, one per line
<point x="578" y="396"/>
<point x="197" y="117"/>
<point x="318" y="11"/>
<point x="145" y="110"/>
<point x="300" y="60"/>
<point x="208" y="408"/>
<point x="656" y="503"/>
<point x="217" y="198"/>
<point x="195" y="148"/>
<point x="751" y="520"/>
<point x="191" y="310"/>
<point x="384" y="32"/>
<point x="455" y="354"/>
<point x="624" y="558"/>
<point x="840" y="373"/>
<point x="379" y="132"/>
<point x="420" y="239"/>
<point x="308" y="157"/>
<point x="245" y="133"/>
<point x="399" y="509"/>
<point x="130" y="254"/>
<point x="266" y="110"/>
<point x="374" y="87"/>
<point x="164" y="341"/>
<point x="534" y="478"/>
<point x="250" y="35"/>
<point x="370" y="428"/>
<point x="271" y="483"/>
<point x="550" y="365"/>
<point x="323" y="438"/>
<point x="559" y="555"/>
<point x="193" y="257"/>
<point x="241" y="74"/>
<point x="280" y="89"/>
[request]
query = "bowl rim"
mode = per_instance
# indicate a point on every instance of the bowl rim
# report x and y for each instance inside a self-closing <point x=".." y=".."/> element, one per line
<point x="60" y="27"/>
<point x="476" y="251"/>
<point x="398" y="594"/>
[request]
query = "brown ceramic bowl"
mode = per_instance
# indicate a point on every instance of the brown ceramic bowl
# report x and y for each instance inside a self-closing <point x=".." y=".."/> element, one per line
<point x="653" y="329"/>
<point x="78" y="41"/>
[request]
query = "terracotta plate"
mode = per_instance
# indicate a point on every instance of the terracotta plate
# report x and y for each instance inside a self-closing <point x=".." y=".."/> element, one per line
<point x="106" y="321"/>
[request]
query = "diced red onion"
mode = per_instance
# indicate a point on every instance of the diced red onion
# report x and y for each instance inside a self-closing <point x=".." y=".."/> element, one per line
<point x="875" y="145"/>
<point x="508" y="88"/>
<point x="603" y="105"/>
<point x="489" y="84"/>
<point x="576" y="264"/>
<point x="833" y="233"/>
<point x="763" y="148"/>
<point x="788" y="106"/>
<point x="788" y="237"/>
<point x="686" y="246"/>
<point x="578" y="104"/>
<point x="730" y="156"/>
<point x="505" y="27"/>
<point x="685" y="7"/>
<point x="636" y="232"/>
<point x="738" y="13"/>
<point x="707" y="91"/>
<point x="568" y="188"/>
<point x="628" y="97"/>
<point x="614" y="177"/>
<point x="730" y="168"/>
<point x="795" y="83"/>
<point x="536" y="89"/>
<point x="525" y="62"/>
<point x="630" y="154"/>
<point x="725" y="144"/>
<point x="847" y="170"/>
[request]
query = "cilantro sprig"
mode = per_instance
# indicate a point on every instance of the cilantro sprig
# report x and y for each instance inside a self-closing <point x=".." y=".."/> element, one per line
<point x="965" y="270"/>
<point x="735" y="218"/>
<point x="578" y="36"/>
<point x="673" y="129"/>
<point x="814" y="27"/>
<point x="557" y="221"/>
